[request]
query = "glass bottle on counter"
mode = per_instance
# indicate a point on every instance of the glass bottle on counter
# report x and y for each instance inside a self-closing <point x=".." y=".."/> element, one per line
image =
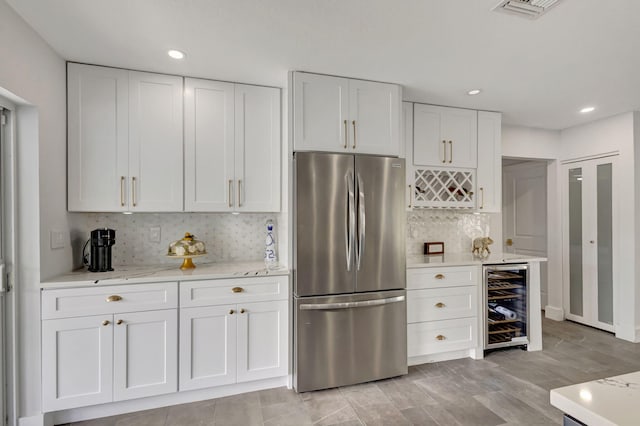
<point x="270" y="255"/>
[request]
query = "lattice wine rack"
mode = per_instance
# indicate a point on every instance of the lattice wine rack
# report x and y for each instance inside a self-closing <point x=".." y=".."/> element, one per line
<point x="442" y="188"/>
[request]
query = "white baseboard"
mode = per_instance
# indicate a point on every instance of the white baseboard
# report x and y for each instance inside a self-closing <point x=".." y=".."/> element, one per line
<point x="33" y="421"/>
<point x="446" y="356"/>
<point x="123" y="407"/>
<point x="554" y="313"/>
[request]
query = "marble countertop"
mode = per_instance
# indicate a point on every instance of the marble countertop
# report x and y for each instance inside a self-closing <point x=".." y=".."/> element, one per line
<point x="158" y="273"/>
<point x="462" y="259"/>
<point x="610" y="401"/>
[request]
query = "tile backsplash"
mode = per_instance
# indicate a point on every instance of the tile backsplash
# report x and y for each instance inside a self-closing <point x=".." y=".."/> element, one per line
<point x="228" y="237"/>
<point x="456" y="229"/>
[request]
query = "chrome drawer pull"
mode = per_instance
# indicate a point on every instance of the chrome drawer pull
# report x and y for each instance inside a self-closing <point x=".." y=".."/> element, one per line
<point x="439" y="277"/>
<point x="440" y="337"/>
<point x="114" y="298"/>
<point x="440" y="305"/>
<point x="237" y="289"/>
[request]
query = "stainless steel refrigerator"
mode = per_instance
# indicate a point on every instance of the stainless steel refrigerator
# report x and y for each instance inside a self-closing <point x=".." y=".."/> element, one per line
<point x="350" y="316"/>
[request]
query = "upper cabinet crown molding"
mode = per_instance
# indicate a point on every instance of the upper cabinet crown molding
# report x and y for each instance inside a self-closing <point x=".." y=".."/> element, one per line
<point x="337" y="114"/>
<point x="124" y="140"/>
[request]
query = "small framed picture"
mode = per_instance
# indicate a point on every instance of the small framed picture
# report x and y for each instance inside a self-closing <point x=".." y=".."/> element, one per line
<point x="434" y="248"/>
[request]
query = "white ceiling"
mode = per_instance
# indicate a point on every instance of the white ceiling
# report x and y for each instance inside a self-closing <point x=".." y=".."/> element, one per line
<point x="539" y="73"/>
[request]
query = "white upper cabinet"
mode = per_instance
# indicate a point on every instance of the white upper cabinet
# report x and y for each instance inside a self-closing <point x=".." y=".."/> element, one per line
<point x="445" y="137"/>
<point x="98" y="138"/>
<point x="125" y="140"/>
<point x="489" y="172"/>
<point x="232" y="147"/>
<point x="345" y="115"/>
<point x="155" y="142"/>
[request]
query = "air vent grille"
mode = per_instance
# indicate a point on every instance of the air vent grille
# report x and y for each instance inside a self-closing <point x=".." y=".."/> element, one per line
<point x="531" y="9"/>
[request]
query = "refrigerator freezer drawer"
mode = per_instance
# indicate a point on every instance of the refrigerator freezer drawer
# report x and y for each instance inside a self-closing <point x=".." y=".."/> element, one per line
<point x="343" y="340"/>
<point x="433" y="337"/>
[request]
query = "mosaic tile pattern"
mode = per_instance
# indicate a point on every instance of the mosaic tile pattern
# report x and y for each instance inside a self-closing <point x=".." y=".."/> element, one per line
<point x="456" y="229"/>
<point x="228" y="237"/>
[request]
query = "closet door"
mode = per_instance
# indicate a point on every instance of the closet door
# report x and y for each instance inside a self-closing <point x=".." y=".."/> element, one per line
<point x="589" y="242"/>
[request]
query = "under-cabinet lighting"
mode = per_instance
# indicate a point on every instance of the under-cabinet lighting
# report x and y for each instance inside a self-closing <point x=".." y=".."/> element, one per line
<point x="127" y="212"/>
<point x="175" y="54"/>
<point x="235" y="213"/>
<point x="474" y="92"/>
<point x="587" y="109"/>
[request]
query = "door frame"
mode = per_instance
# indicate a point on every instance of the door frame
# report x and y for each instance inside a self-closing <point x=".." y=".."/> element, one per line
<point x="615" y="229"/>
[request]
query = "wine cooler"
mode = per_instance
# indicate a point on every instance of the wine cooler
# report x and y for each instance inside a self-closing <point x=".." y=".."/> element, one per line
<point x="506" y="304"/>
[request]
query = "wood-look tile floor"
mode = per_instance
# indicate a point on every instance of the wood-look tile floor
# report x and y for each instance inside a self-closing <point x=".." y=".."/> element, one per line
<point x="507" y="387"/>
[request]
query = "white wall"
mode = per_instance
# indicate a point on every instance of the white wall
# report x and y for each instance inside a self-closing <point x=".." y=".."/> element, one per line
<point x="31" y="70"/>
<point x="616" y="134"/>
<point x="528" y="142"/>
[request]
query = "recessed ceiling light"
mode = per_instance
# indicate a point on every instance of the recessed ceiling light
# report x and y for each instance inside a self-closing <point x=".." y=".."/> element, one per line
<point x="587" y="109"/>
<point x="175" y="54"/>
<point x="474" y="92"/>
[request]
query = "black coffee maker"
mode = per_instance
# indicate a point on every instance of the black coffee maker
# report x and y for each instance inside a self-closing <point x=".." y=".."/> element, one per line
<point x="101" y="241"/>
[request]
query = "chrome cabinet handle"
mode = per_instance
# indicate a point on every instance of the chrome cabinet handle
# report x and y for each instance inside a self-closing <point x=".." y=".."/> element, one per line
<point x="239" y="193"/>
<point x="351" y="220"/>
<point x="133" y="191"/>
<point x="440" y="305"/>
<point x="106" y="322"/>
<point x="361" y="221"/>
<point x="444" y="151"/>
<point x="410" y="196"/>
<point x="481" y="198"/>
<point x="230" y="192"/>
<point x="440" y="337"/>
<point x="451" y="152"/>
<point x="346" y="134"/>
<point x="114" y="298"/>
<point x="349" y="305"/>
<point x="439" y="277"/>
<point x="237" y="289"/>
<point x="354" y="133"/>
<point x="122" y="180"/>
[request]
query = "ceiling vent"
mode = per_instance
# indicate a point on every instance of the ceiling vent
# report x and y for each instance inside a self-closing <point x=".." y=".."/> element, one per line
<point x="531" y="9"/>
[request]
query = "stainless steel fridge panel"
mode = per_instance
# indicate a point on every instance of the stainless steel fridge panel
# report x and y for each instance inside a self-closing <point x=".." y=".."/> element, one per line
<point x="324" y="224"/>
<point x="381" y="248"/>
<point x="342" y="340"/>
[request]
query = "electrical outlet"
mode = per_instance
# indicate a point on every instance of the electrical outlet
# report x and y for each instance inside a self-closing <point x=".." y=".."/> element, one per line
<point x="154" y="234"/>
<point x="58" y="239"/>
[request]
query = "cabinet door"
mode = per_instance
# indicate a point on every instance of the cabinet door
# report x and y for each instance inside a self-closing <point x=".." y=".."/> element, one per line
<point x="257" y="148"/>
<point x="145" y="354"/>
<point x="407" y="122"/>
<point x="155" y="142"/>
<point x="77" y="362"/>
<point x="444" y="136"/>
<point x="98" y="114"/>
<point x="262" y="340"/>
<point x="207" y="346"/>
<point x="489" y="173"/>
<point x="209" y="145"/>
<point x="374" y="111"/>
<point x="320" y="113"/>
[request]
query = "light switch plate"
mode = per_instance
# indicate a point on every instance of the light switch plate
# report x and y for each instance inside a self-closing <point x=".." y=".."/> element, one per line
<point x="58" y="239"/>
<point x="154" y="234"/>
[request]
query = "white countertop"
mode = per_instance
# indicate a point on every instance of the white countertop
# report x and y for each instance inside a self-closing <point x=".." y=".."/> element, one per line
<point x="463" y="259"/>
<point x="610" y="401"/>
<point x="146" y="274"/>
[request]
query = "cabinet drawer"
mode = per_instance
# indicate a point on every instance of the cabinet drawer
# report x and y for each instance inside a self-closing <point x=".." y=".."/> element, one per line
<point x="75" y="302"/>
<point x="454" y="276"/>
<point x="425" y="338"/>
<point x="441" y="303"/>
<point x="237" y="290"/>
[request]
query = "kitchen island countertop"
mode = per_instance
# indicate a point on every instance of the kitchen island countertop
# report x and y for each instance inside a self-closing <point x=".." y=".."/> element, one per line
<point x="463" y="259"/>
<point x="609" y="401"/>
<point x="160" y="273"/>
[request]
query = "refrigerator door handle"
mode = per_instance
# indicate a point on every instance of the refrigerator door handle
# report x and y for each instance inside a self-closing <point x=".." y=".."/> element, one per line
<point x="350" y="223"/>
<point x="349" y="305"/>
<point x="361" y="221"/>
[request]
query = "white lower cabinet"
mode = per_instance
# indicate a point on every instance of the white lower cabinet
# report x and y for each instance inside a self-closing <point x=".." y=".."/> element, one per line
<point x="233" y="343"/>
<point x="129" y="350"/>
<point x="442" y="312"/>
